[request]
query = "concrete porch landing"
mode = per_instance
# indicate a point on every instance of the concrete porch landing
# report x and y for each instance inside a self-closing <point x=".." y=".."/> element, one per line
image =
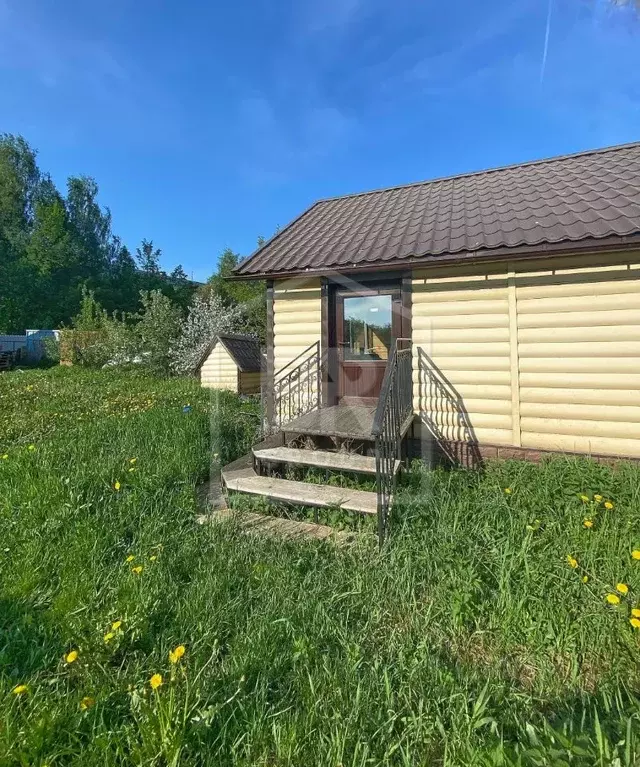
<point x="342" y="421"/>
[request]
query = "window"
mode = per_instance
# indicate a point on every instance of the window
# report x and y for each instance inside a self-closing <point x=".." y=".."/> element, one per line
<point x="367" y="327"/>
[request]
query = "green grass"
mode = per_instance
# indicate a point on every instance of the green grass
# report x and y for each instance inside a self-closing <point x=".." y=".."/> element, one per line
<point x="468" y="640"/>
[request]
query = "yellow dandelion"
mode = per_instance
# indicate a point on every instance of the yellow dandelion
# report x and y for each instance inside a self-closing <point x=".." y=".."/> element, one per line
<point x="155" y="681"/>
<point x="132" y="460"/>
<point x="608" y="505"/>
<point x="108" y="637"/>
<point x="116" y="625"/>
<point x="31" y="448"/>
<point x="507" y="490"/>
<point x="5" y="456"/>
<point x="175" y="655"/>
<point x="622" y="588"/>
<point x="86" y="703"/>
<point x="20" y="689"/>
<point x="137" y="570"/>
<point x="584" y="498"/>
<point x="588" y="523"/>
<point x="585" y="578"/>
<point x="635" y="612"/>
<point x="130" y="558"/>
<point x="116" y="485"/>
<point x="597" y="498"/>
<point x="152" y="558"/>
<point x="131" y="469"/>
<point x="635" y="554"/>
<point x="72" y="656"/>
<point x="635" y="622"/>
<point x="571" y="561"/>
<point x="613" y="599"/>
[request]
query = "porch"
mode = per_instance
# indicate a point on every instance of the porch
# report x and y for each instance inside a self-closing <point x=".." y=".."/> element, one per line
<point x="343" y="422"/>
<point x="304" y="432"/>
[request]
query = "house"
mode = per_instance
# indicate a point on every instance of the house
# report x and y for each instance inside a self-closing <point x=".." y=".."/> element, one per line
<point x="232" y="362"/>
<point x="489" y="314"/>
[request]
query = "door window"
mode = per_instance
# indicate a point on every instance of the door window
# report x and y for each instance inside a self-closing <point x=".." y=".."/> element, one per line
<point x="367" y="327"/>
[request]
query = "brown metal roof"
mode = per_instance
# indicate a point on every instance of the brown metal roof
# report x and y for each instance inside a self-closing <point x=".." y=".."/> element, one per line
<point x="577" y="198"/>
<point x="244" y="350"/>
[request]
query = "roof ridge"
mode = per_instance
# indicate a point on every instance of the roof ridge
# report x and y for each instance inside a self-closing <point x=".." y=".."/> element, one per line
<point x="237" y="336"/>
<point x="468" y="174"/>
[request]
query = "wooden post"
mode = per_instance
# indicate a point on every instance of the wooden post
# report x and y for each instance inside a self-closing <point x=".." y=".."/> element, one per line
<point x="269" y="387"/>
<point x="325" y="351"/>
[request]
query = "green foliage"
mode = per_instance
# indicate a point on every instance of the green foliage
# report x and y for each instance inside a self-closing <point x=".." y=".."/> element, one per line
<point x="82" y="347"/>
<point x="51" y="247"/>
<point x="91" y="315"/>
<point x="468" y="641"/>
<point x="249" y="295"/>
<point x="157" y="328"/>
<point x="148" y="257"/>
<point x="204" y="321"/>
<point x="51" y="351"/>
<point x="143" y="339"/>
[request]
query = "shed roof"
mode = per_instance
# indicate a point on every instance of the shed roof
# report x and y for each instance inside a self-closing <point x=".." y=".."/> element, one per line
<point x="244" y="350"/>
<point x="581" y="198"/>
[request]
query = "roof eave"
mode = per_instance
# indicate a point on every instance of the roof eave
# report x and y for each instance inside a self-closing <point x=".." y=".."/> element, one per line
<point x="485" y="255"/>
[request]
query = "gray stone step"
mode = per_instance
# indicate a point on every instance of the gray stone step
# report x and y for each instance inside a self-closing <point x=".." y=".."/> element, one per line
<point x="261" y="524"/>
<point x="304" y="493"/>
<point x="320" y="459"/>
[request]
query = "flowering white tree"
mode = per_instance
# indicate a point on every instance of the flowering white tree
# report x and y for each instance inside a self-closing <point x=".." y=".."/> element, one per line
<point x="205" y="319"/>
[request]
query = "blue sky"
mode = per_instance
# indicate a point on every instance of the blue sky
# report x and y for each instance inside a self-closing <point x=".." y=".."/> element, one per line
<point x="207" y="124"/>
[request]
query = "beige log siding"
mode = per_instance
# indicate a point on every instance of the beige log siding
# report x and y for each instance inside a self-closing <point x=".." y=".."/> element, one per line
<point x="296" y="318"/>
<point x="219" y="371"/>
<point x="535" y="354"/>
<point x="579" y="354"/>
<point x="249" y="383"/>
<point x="462" y="363"/>
<point x="296" y="326"/>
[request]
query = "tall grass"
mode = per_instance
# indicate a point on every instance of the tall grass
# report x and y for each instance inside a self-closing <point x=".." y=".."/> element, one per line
<point x="469" y="640"/>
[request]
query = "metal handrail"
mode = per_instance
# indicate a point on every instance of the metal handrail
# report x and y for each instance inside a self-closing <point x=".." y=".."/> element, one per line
<point x="314" y="347"/>
<point x="395" y="408"/>
<point x="295" y="393"/>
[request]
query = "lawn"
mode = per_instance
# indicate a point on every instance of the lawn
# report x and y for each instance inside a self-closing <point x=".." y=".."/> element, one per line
<point x="484" y="633"/>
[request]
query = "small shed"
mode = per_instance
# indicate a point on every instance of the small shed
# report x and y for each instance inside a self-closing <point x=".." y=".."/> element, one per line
<point x="232" y="362"/>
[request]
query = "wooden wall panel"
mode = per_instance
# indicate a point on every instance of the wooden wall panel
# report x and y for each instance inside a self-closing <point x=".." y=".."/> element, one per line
<point x="248" y="383"/>
<point x="297" y="318"/>
<point x="462" y="367"/>
<point x="579" y="351"/>
<point x="219" y="371"/>
<point x="540" y="353"/>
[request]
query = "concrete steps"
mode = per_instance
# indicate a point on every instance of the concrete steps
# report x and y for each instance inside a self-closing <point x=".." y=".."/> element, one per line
<point x="304" y="493"/>
<point x="319" y="459"/>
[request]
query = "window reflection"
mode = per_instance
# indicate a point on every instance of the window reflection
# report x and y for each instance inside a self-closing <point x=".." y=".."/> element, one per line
<point x="367" y="327"/>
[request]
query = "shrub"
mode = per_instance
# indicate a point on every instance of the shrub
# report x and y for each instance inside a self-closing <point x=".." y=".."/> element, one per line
<point x="157" y="330"/>
<point x="91" y="315"/>
<point x="207" y="318"/>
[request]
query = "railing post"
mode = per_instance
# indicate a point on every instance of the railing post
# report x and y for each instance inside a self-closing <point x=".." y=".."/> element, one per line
<point x="394" y="407"/>
<point x="379" y="490"/>
<point x="270" y="371"/>
<point x="318" y="376"/>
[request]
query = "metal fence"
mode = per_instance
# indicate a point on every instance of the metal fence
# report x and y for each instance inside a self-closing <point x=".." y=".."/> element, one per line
<point x="31" y="344"/>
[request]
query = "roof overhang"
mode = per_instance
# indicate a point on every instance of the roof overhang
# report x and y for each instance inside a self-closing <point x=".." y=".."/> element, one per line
<point x="496" y="255"/>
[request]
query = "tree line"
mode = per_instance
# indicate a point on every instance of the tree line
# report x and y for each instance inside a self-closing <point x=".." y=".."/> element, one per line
<point x="55" y="248"/>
